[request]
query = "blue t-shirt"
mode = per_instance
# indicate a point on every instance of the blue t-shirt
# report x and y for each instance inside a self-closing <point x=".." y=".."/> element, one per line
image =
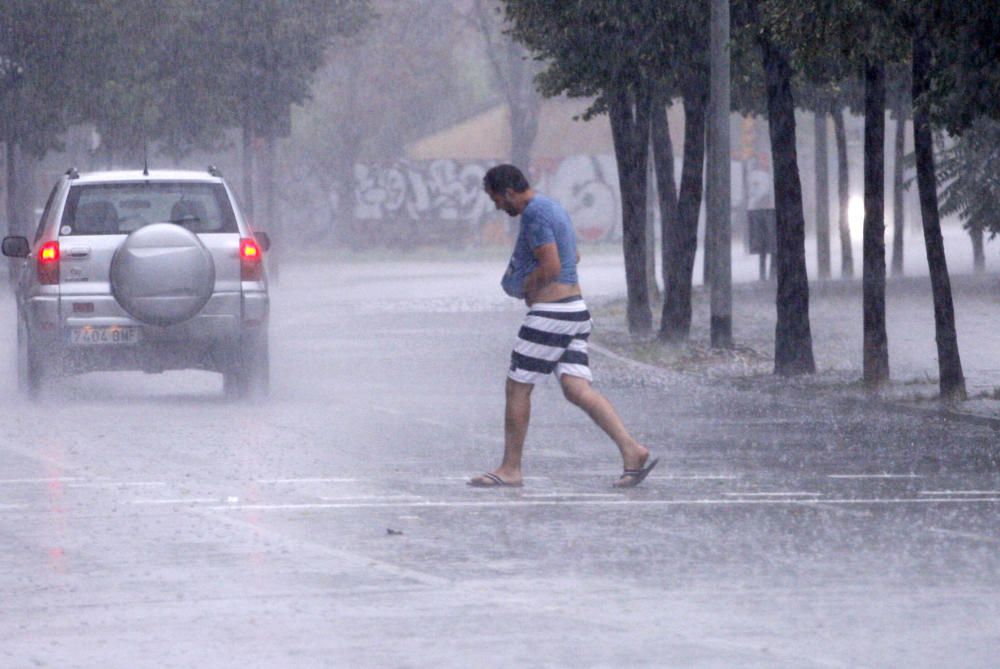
<point x="543" y="221"/>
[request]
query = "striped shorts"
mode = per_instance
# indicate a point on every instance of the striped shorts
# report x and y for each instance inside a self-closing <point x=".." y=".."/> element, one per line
<point x="553" y="338"/>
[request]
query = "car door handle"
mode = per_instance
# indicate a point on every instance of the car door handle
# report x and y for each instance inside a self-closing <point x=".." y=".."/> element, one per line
<point x="79" y="252"/>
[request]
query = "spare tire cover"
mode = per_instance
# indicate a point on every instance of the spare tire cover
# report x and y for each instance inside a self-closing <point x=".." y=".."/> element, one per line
<point x="162" y="274"/>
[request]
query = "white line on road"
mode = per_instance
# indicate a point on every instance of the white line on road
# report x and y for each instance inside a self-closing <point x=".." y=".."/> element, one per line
<point x="189" y="500"/>
<point x="542" y="495"/>
<point x="773" y="494"/>
<point x="308" y="480"/>
<point x="117" y="484"/>
<point x="57" y="479"/>
<point x="373" y="498"/>
<point x="960" y="492"/>
<point x="607" y="502"/>
<point x="8" y="507"/>
<point x="466" y="478"/>
<point x="874" y="476"/>
<point x="695" y="477"/>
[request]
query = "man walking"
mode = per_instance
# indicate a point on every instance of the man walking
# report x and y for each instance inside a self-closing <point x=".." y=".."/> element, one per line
<point x="553" y="338"/>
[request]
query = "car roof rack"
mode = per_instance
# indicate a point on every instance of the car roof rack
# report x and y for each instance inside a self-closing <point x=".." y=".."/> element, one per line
<point x="72" y="173"/>
<point x="214" y="171"/>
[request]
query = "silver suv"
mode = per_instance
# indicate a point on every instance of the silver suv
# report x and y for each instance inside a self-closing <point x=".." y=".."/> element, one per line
<point x="142" y="271"/>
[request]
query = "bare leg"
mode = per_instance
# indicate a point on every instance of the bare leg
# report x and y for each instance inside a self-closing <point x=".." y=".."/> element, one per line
<point x="515" y="428"/>
<point x="579" y="391"/>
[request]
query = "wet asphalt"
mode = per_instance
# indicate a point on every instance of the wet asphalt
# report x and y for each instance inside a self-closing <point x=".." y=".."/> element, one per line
<point x="147" y="521"/>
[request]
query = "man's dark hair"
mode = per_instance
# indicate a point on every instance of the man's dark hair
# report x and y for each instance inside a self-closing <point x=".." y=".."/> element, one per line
<point x="501" y="177"/>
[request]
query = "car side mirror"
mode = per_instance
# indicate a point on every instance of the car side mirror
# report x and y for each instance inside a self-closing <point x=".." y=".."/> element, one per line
<point x="263" y="239"/>
<point x="16" y="247"/>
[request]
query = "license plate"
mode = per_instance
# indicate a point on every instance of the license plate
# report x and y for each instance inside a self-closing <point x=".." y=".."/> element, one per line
<point x="91" y="336"/>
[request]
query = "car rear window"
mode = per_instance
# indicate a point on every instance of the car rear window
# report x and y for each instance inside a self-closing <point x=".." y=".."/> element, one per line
<point x="121" y="208"/>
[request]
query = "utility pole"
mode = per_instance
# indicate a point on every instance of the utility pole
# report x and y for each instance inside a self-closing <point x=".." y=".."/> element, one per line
<point x="718" y="223"/>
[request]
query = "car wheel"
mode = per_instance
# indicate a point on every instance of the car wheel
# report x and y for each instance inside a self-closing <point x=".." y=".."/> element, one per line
<point x="30" y="368"/>
<point x="249" y="375"/>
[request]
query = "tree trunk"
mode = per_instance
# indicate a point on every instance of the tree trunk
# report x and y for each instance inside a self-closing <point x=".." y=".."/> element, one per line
<point x="651" y="195"/>
<point x="876" y="344"/>
<point x="11" y="195"/>
<point x="793" y="353"/>
<point x="719" y="201"/>
<point x="675" y="323"/>
<point x="666" y="189"/>
<point x="707" y="257"/>
<point x="843" y="196"/>
<point x="28" y="167"/>
<point x="247" y="155"/>
<point x="978" y="250"/>
<point x="822" y="194"/>
<point x="952" y="383"/>
<point x="13" y="190"/>
<point x="898" y="212"/>
<point x="525" y="105"/>
<point x="271" y="222"/>
<point x="629" y="115"/>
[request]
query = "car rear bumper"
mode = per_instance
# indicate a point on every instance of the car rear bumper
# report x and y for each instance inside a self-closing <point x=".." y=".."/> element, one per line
<point x="207" y="341"/>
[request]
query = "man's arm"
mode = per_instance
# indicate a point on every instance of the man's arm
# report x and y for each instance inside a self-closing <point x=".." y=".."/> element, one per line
<point x="547" y="271"/>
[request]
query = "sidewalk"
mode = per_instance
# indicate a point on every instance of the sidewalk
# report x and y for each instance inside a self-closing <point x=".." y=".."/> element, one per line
<point x="836" y="324"/>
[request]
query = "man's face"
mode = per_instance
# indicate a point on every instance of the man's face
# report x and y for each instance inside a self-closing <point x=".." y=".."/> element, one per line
<point x="504" y="202"/>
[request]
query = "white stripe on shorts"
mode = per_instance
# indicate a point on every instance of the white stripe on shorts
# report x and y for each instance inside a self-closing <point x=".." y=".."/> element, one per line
<point x="543" y="342"/>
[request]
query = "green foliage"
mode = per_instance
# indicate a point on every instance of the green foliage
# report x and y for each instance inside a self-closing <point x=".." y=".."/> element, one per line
<point x="34" y="82"/>
<point x="965" y="82"/>
<point x="175" y="71"/>
<point x="594" y="47"/>
<point x="969" y="171"/>
<point x="828" y="42"/>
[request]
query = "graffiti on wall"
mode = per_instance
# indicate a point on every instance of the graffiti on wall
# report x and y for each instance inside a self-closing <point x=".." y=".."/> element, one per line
<point x="428" y="200"/>
<point x="431" y="191"/>
<point x="588" y="187"/>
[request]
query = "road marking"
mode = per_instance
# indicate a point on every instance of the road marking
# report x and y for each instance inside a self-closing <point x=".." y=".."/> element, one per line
<point x="695" y="477"/>
<point x="57" y="479"/>
<point x="960" y="492"/>
<point x="116" y="484"/>
<point x="874" y="476"/>
<point x="605" y="502"/>
<point x="10" y="507"/>
<point x="542" y="495"/>
<point x="773" y="494"/>
<point x="189" y="500"/>
<point x="466" y="478"/>
<point x="363" y="498"/>
<point x="308" y="480"/>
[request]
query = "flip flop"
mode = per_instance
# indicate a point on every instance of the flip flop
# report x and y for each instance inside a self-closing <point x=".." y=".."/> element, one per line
<point x="490" y="480"/>
<point x="630" y="478"/>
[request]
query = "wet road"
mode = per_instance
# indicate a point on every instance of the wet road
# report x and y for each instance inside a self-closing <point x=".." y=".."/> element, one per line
<point x="145" y="521"/>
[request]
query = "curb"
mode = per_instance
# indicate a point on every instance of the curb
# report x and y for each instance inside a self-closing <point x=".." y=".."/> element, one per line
<point x="937" y="412"/>
<point x="896" y="407"/>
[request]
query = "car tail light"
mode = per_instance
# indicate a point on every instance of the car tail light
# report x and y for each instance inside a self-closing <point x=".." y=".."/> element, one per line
<point x="251" y="260"/>
<point x="48" y="263"/>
